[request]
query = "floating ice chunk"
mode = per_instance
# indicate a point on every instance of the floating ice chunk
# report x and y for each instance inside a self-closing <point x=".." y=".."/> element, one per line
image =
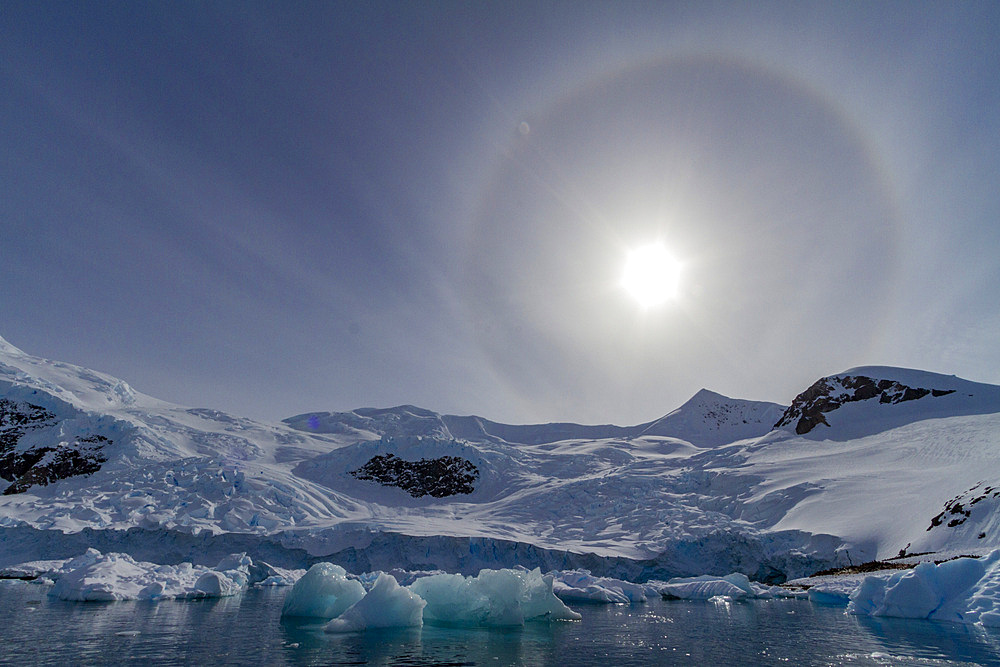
<point x="735" y="586"/>
<point x="115" y="576"/>
<point x="592" y="594"/>
<point x="455" y="599"/>
<point x="965" y="590"/>
<point x="492" y="598"/>
<point x="581" y="586"/>
<point x="277" y="576"/>
<point x="538" y="601"/>
<point x="702" y="589"/>
<point x="387" y="605"/>
<point x="109" y="577"/>
<point x="216" y="585"/>
<point x="832" y="594"/>
<point x="322" y="592"/>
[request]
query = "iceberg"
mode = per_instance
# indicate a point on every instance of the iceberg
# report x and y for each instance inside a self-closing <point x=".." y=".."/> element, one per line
<point x="115" y="576"/>
<point x="118" y="576"/>
<point x="581" y="586"/>
<point x="833" y="593"/>
<point x="386" y="605"/>
<point x="491" y="598"/>
<point x="735" y="586"/>
<point x="964" y="590"/>
<point x="322" y="592"/>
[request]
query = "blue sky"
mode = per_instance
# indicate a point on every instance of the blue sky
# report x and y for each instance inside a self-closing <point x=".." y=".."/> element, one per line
<point x="275" y="208"/>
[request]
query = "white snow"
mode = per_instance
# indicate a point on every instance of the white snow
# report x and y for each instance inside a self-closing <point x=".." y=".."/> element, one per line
<point x="323" y="592"/>
<point x="386" y="605"/>
<point x="683" y="491"/>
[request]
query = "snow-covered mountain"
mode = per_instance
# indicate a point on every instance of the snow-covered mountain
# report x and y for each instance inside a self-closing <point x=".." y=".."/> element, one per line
<point x="863" y="464"/>
<point x="706" y="420"/>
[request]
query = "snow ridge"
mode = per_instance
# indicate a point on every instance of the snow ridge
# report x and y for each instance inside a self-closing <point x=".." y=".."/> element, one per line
<point x="707" y="488"/>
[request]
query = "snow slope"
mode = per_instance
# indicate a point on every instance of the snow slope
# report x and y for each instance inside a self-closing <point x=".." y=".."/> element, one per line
<point x="893" y="459"/>
<point x="881" y="472"/>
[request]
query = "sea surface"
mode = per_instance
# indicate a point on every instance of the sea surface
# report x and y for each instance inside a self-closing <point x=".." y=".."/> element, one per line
<point x="248" y="630"/>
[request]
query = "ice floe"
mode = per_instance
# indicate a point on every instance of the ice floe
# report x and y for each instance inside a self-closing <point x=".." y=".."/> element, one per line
<point x="964" y="590"/>
<point x="735" y="586"/>
<point x="117" y="576"/>
<point x="582" y="586"/>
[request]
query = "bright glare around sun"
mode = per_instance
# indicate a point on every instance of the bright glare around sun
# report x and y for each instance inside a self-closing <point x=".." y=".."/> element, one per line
<point x="651" y="275"/>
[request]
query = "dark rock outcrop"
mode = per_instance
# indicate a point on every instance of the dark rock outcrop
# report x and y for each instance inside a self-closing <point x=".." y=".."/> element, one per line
<point x="440" y="477"/>
<point x="42" y="464"/>
<point x="959" y="509"/>
<point x="828" y="394"/>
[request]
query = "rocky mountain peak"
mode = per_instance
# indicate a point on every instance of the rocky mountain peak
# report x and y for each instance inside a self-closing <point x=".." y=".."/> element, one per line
<point x="830" y="393"/>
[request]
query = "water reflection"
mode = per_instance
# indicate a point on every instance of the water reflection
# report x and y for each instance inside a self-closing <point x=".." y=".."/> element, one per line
<point x="944" y="641"/>
<point x="534" y="644"/>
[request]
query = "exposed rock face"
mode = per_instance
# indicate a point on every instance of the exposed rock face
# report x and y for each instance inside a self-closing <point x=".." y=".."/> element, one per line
<point x="42" y="464"/>
<point x="828" y="394"/>
<point x="959" y="509"/>
<point x="440" y="477"/>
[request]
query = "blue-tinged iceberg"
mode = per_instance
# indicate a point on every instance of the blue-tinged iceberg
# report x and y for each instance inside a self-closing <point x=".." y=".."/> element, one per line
<point x="964" y="590"/>
<point x="386" y="605"/>
<point x="492" y="598"/>
<point x="322" y="592"/>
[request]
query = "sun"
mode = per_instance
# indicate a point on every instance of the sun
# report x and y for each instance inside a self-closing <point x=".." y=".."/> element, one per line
<point x="651" y="275"/>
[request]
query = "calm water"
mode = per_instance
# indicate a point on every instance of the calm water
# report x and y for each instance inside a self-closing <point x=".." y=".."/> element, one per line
<point x="247" y="630"/>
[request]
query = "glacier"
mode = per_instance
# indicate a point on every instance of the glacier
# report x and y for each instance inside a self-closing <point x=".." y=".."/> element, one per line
<point x="716" y="486"/>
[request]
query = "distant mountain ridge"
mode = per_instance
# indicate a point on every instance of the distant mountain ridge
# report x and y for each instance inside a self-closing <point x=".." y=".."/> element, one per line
<point x="707" y="419"/>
